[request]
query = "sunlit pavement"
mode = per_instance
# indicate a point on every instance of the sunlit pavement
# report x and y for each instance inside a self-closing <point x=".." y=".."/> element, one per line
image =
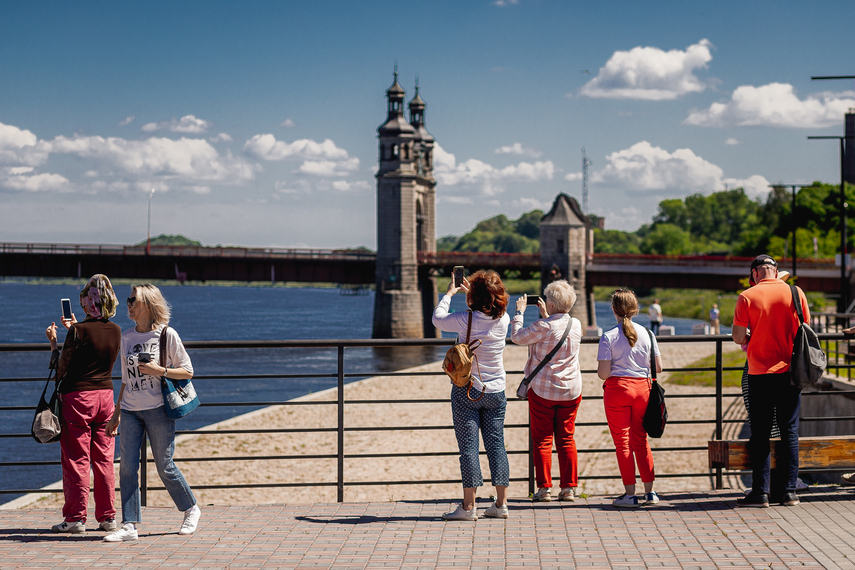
<point x="697" y="530"/>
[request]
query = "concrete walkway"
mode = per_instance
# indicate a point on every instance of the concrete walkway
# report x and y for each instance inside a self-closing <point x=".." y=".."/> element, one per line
<point x="689" y="530"/>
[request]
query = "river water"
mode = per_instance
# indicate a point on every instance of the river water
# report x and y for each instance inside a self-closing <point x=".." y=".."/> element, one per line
<point x="209" y="313"/>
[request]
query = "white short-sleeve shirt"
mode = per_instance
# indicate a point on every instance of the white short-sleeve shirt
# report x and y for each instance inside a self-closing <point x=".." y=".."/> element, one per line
<point x="627" y="361"/>
<point x="143" y="392"/>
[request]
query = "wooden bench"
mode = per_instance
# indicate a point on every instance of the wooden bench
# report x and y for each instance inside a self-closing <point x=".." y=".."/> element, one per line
<point x="828" y="452"/>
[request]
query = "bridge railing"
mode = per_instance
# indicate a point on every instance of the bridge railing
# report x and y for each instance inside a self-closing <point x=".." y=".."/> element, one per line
<point x="716" y="421"/>
<point x="185" y="251"/>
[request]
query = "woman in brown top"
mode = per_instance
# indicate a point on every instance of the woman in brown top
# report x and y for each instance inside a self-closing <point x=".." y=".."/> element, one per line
<point x="86" y="391"/>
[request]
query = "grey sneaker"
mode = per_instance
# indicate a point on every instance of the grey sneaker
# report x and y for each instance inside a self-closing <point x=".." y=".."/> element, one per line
<point x="191" y="519"/>
<point x="495" y="512"/>
<point x="651" y="498"/>
<point x="127" y="532"/>
<point x="459" y="514"/>
<point x="543" y="495"/>
<point x="567" y="494"/>
<point x="73" y="527"/>
<point x="848" y="479"/>
<point x="626" y="502"/>
<point x="108" y="525"/>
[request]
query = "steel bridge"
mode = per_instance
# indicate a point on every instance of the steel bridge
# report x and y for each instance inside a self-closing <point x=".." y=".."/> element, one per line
<point x="356" y="267"/>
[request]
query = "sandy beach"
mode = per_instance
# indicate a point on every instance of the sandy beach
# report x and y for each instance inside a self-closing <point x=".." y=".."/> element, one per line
<point x="246" y="471"/>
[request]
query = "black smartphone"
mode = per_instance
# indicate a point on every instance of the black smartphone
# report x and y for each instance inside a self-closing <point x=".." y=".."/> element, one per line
<point x="458" y="275"/>
<point x="66" y="308"/>
<point x="144" y="357"/>
<point x="532" y="300"/>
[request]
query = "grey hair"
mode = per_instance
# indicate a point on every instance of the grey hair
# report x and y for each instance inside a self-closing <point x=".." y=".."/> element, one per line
<point x="150" y="296"/>
<point x="562" y="295"/>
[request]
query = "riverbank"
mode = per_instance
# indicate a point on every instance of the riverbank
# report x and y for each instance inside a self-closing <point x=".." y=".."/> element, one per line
<point x="291" y="471"/>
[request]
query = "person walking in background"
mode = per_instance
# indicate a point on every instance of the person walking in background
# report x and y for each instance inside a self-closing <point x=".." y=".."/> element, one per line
<point x="555" y="393"/>
<point x="715" y="322"/>
<point x="654" y="312"/>
<point x="86" y="391"/>
<point x="487" y="301"/>
<point x="141" y="410"/>
<point x="766" y="320"/>
<point x="623" y="361"/>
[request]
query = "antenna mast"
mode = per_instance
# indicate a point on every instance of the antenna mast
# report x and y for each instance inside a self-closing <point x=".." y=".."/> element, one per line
<point x="585" y="164"/>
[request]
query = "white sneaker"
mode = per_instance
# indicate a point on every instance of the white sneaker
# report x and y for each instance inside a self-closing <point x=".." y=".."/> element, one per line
<point x="459" y="514"/>
<point x="74" y="527"/>
<point x="543" y="495"/>
<point x="127" y="532"/>
<point x="567" y="494"/>
<point x="626" y="502"/>
<point x="108" y="525"/>
<point x="495" y="512"/>
<point x="651" y="498"/>
<point x="191" y="519"/>
<point x="848" y="478"/>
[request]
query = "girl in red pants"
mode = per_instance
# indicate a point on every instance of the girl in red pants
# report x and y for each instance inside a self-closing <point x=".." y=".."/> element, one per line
<point x="623" y="361"/>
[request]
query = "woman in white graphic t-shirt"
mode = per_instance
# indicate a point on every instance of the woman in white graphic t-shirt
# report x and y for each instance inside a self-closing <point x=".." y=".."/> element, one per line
<point x="143" y="411"/>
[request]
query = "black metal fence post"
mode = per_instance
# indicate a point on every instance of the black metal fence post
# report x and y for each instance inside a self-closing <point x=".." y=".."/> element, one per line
<point x="143" y="462"/>
<point x="718" y="405"/>
<point x="340" y="477"/>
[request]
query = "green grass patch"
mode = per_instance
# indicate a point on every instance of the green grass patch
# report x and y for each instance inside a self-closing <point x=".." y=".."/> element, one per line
<point x="730" y="378"/>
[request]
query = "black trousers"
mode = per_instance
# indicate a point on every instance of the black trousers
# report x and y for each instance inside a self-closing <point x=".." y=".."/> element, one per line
<point x="772" y="395"/>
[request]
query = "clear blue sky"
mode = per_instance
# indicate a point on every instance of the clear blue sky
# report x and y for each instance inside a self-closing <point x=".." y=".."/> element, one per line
<point x="256" y="121"/>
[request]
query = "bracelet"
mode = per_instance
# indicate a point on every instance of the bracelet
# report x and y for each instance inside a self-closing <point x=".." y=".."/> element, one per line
<point x="165" y="370"/>
<point x="518" y="313"/>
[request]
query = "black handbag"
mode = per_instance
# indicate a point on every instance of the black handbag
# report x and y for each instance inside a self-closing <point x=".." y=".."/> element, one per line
<point x="47" y="426"/>
<point x="656" y="415"/>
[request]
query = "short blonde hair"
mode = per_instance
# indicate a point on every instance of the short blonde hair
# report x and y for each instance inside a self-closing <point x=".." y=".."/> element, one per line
<point x="562" y="295"/>
<point x="157" y="307"/>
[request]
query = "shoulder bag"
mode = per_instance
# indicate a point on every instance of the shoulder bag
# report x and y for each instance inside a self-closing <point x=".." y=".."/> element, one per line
<point x="47" y="426"/>
<point x="179" y="396"/>
<point x="522" y="389"/>
<point x="656" y="415"/>
<point x="458" y="362"/>
<point x="808" y="361"/>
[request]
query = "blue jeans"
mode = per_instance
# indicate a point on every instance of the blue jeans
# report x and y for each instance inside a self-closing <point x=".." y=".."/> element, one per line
<point x="772" y="396"/>
<point x="161" y="435"/>
<point x="488" y="415"/>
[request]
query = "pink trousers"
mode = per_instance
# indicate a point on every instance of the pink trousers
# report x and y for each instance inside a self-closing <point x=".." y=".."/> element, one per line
<point x="84" y="443"/>
<point x="625" y="400"/>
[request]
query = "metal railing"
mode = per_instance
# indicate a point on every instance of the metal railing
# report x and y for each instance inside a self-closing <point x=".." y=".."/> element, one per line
<point x="838" y="361"/>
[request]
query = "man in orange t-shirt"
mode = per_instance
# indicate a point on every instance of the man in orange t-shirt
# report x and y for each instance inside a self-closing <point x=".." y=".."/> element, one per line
<point x="765" y="318"/>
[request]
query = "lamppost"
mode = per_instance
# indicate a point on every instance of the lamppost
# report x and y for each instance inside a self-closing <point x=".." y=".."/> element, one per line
<point x="148" y="230"/>
<point x="844" y="282"/>
<point x="793" y="222"/>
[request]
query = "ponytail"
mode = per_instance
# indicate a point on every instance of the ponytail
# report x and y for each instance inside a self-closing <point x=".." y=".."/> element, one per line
<point x="625" y="306"/>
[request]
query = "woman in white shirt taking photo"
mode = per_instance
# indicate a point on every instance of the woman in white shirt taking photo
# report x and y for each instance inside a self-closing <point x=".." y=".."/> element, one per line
<point x="143" y="411"/>
<point x="623" y="361"/>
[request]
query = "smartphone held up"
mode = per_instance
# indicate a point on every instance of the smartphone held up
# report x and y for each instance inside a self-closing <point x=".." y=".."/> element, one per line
<point x="532" y="299"/>
<point x="457" y="275"/>
<point x="66" y="308"/>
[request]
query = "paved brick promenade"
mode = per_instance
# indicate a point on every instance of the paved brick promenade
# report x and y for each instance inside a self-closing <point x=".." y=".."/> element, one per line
<point x="699" y="530"/>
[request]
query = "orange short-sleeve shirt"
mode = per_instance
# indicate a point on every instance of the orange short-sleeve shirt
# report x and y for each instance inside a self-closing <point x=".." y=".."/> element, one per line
<point x="767" y="310"/>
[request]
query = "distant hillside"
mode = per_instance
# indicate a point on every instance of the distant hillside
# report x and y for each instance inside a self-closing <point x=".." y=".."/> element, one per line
<point x="178" y="239"/>
<point x="498" y="234"/>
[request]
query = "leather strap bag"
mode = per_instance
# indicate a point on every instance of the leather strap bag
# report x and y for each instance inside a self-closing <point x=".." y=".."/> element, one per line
<point x="656" y="415"/>
<point x="179" y="396"/>
<point x="47" y="426"/>
<point x="522" y="389"/>
<point x="458" y="362"/>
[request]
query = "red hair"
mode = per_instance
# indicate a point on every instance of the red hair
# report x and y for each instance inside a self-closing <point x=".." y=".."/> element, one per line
<point x="487" y="293"/>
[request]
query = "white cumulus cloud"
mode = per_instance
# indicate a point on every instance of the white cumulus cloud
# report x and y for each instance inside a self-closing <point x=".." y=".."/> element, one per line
<point x="650" y="73"/>
<point x="731" y="141"/>
<point x="474" y="171"/>
<point x="288" y="123"/>
<point x="329" y="167"/>
<point x="222" y="137"/>
<point x="267" y="147"/>
<point x="127" y="121"/>
<point x="344" y="185"/>
<point x="35" y="182"/>
<point x="573" y="176"/>
<point x="19" y="146"/>
<point x="518" y="148"/>
<point x="187" y="124"/>
<point x="774" y="105"/>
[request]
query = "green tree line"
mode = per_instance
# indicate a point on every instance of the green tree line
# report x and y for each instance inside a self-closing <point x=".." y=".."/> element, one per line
<point x="725" y="223"/>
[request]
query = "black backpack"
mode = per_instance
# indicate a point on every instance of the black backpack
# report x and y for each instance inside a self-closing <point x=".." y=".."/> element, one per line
<point x="809" y="361"/>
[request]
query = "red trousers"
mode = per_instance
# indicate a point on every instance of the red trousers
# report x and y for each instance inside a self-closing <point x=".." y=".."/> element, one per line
<point x="553" y="419"/>
<point x="84" y="443"/>
<point x="625" y="400"/>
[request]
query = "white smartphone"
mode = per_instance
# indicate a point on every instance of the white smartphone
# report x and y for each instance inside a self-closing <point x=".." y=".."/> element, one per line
<point x="66" y="308"/>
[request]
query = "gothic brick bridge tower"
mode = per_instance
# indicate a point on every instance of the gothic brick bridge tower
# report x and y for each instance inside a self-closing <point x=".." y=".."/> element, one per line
<point x="406" y="220"/>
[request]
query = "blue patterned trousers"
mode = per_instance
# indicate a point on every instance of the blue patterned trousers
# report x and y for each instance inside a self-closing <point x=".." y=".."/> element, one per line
<point x="488" y="416"/>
